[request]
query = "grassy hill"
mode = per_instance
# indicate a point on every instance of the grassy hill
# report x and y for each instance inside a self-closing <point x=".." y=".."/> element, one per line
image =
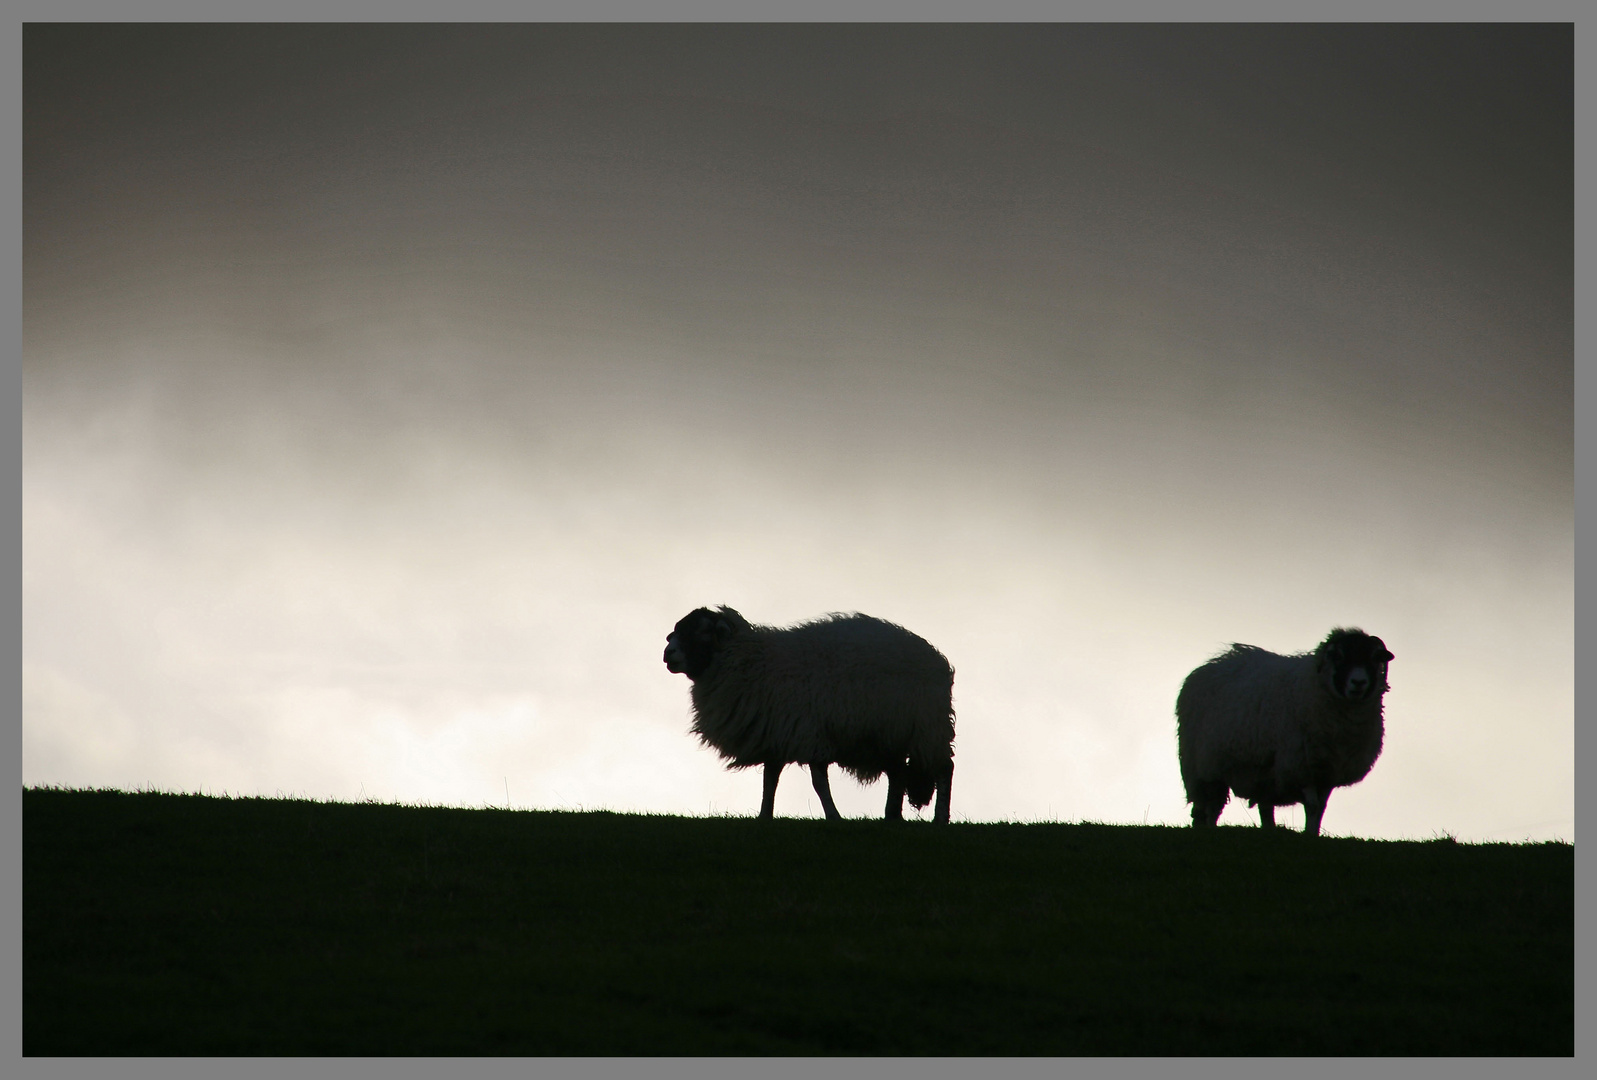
<point x="166" y="924"/>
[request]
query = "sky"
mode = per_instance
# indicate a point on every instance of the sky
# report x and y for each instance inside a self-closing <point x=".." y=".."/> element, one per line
<point x="391" y="391"/>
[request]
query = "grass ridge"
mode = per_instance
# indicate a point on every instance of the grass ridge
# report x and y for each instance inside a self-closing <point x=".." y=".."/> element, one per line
<point x="160" y="923"/>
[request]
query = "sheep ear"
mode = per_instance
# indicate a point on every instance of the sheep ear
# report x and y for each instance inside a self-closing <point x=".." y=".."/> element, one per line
<point x="1387" y="655"/>
<point x="723" y="629"/>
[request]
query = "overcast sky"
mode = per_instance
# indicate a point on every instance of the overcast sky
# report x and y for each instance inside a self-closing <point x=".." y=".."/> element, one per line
<point x="389" y="392"/>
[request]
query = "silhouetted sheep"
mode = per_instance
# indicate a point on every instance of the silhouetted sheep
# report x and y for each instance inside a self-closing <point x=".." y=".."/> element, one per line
<point x="1278" y="730"/>
<point x="866" y="694"/>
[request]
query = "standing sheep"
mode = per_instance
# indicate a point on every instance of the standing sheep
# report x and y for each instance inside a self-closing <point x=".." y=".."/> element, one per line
<point x="1281" y="729"/>
<point x="863" y="693"/>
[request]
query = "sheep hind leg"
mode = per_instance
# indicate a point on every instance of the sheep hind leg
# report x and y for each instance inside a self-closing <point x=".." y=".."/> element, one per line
<point x="945" y="784"/>
<point x="1266" y="816"/>
<point x="895" y="795"/>
<point x="823" y="788"/>
<point x="1207" y="802"/>
<point x="773" y="773"/>
<point x="1314" y="809"/>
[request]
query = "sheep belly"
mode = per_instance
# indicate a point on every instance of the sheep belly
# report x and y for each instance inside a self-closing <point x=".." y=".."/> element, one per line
<point x="1249" y="760"/>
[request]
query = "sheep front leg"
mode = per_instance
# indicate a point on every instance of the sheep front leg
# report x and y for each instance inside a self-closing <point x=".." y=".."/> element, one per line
<point x="1314" y="809"/>
<point x="1266" y="815"/>
<point x="773" y="773"/>
<point x="823" y="788"/>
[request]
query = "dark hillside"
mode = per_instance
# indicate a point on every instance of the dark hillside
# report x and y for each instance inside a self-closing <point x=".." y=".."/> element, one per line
<point x="163" y="924"/>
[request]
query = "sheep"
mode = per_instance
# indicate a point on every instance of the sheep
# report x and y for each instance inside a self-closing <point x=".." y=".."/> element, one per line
<point x="859" y="692"/>
<point x="1277" y="730"/>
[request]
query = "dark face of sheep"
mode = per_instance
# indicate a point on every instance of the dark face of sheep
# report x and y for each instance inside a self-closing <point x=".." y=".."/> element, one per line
<point x="1353" y="664"/>
<point x="690" y="646"/>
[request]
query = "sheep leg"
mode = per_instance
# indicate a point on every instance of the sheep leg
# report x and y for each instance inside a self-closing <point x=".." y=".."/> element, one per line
<point x="1313" y="809"/>
<point x="895" y="795"/>
<point x="945" y="785"/>
<point x="773" y="773"/>
<point x="1207" y="802"/>
<point x="1266" y="816"/>
<point x="823" y="788"/>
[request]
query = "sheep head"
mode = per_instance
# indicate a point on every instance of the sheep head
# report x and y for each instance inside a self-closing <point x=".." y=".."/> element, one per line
<point x="1352" y="664"/>
<point x="691" y="645"/>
